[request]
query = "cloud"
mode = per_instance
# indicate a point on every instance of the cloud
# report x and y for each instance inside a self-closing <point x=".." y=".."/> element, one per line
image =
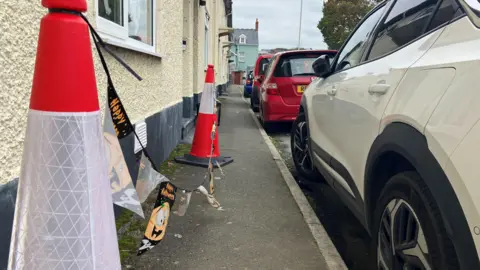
<point x="279" y="22"/>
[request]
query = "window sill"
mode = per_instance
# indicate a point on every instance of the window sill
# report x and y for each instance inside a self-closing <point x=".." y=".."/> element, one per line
<point x="120" y="44"/>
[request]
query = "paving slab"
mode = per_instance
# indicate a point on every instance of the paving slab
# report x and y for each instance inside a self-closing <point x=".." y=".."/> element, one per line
<point x="260" y="225"/>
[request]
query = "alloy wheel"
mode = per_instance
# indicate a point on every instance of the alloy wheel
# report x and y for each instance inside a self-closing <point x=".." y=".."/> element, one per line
<point x="401" y="240"/>
<point x="301" y="151"/>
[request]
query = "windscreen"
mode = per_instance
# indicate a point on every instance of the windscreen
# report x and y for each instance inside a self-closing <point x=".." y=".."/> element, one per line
<point x="292" y="65"/>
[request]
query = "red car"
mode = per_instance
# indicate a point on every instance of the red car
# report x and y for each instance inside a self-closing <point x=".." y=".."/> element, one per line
<point x="259" y="76"/>
<point x="288" y="75"/>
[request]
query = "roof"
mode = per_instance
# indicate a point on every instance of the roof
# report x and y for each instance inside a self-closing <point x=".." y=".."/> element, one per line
<point x="251" y="34"/>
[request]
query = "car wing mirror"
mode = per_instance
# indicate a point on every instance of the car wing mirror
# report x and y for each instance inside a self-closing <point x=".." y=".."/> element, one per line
<point x="322" y="66"/>
<point x="260" y="78"/>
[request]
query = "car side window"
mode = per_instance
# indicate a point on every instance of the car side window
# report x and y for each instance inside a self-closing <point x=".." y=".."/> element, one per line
<point x="263" y="66"/>
<point x="352" y="52"/>
<point x="448" y="10"/>
<point x="268" y="68"/>
<point x="405" y="22"/>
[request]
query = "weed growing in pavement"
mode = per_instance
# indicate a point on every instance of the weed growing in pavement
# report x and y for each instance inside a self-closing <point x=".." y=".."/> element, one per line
<point x="275" y="142"/>
<point x="287" y="157"/>
<point x="130" y="227"/>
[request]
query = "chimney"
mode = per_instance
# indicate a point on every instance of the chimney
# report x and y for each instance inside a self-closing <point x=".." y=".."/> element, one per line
<point x="256" y="25"/>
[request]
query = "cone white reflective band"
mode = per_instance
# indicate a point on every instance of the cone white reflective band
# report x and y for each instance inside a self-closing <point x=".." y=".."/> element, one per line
<point x="64" y="215"/>
<point x="207" y="103"/>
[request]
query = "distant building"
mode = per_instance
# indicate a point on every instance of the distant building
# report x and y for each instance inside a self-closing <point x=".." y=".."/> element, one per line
<point x="244" y="50"/>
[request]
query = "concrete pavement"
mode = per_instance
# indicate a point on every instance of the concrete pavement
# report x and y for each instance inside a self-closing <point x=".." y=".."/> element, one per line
<point x="261" y="225"/>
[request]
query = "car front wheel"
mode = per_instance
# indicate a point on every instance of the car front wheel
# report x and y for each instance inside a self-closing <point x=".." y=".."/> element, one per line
<point x="299" y="143"/>
<point x="409" y="232"/>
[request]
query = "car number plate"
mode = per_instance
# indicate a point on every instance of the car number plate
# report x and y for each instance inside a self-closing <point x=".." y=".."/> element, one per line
<point x="301" y="88"/>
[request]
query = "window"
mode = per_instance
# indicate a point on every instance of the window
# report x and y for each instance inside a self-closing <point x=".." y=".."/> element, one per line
<point x="242" y="39"/>
<point x="241" y="57"/>
<point x="448" y="10"/>
<point x="250" y="75"/>
<point x="405" y="22"/>
<point x="128" y="23"/>
<point x="292" y="65"/>
<point x="269" y="66"/>
<point x="263" y="66"/>
<point x="353" y="50"/>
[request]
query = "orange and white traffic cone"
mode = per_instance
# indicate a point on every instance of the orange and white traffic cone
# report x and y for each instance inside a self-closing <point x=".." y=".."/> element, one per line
<point x="64" y="214"/>
<point x="201" y="153"/>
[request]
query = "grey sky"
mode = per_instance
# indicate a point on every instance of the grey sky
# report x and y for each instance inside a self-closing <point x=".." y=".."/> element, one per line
<point x="279" y="21"/>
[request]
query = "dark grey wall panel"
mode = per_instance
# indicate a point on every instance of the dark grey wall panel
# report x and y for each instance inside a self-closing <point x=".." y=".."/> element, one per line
<point x="164" y="131"/>
<point x="188" y="108"/>
<point x="8" y="195"/>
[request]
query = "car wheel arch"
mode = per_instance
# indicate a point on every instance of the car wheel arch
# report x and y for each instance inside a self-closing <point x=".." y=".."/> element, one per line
<point x="403" y="147"/>
<point x="303" y="106"/>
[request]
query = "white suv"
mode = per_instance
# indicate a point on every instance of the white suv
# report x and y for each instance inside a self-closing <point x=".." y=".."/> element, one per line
<point x="392" y="124"/>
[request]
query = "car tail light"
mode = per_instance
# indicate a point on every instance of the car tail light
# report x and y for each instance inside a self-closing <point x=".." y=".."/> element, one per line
<point x="271" y="89"/>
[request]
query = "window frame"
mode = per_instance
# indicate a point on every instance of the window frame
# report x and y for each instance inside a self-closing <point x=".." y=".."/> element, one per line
<point x="364" y="59"/>
<point x="241" y="57"/>
<point x="117" y="35"/>
<point x="368" y="41"/>
<point x="242" y="37"/>
<point x="288" y="57"/>
<point x="424" y="31"/>
<point x="424" y="34"/>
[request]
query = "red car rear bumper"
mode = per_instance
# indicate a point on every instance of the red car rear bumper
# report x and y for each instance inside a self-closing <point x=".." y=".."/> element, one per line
<point x="275" y="110"/>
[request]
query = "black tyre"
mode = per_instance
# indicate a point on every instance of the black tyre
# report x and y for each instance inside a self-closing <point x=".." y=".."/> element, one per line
<point x="299" y="143"/>
<point x="245" y="93"/>
<point x="408" y="230"/>
<point x="254" y="100"/>
<point x="267" y="126"/>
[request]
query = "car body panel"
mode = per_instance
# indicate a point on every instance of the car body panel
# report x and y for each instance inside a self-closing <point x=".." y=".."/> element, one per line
<point x="453" y="130"/>
<point x="285" y="105"/>
<point x="360" y="111"/>
<point x="248" y="84"/>
<point x="433" y="89"/>
<point x="288" y="88"/>
<point x="466" y="181"/>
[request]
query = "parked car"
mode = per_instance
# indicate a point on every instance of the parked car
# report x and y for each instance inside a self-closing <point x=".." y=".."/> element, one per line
<point x="289" y="73"/>
<point x="259" y="75"/>
<point x="247" y="88"/>
<point x="393" y="125"/>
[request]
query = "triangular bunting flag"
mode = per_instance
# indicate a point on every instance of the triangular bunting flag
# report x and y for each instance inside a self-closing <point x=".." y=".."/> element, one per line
<point x="124" y="193"/>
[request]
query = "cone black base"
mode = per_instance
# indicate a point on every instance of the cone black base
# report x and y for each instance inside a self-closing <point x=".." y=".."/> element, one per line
<point x="203" y="162"/>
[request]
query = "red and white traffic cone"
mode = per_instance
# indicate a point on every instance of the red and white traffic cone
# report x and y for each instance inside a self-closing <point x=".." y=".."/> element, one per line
<point x="201" y="151"/>
<point x="64" y="214"/>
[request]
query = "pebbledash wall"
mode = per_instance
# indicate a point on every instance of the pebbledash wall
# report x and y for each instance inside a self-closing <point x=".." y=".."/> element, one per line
<point x="188" y="35"/>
